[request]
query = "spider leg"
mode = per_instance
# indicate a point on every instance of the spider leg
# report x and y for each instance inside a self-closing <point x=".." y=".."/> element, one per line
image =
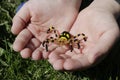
<point x="46" y="42"/>
<point x="51" y="28"/>
<point x="43" y="43"/>
<point x="83" y="36"/>
<point x="71" y="46"/>
<point x="77" y="42"/>
<point x="56" y="33"/>
<point x="46" y="47"/>
<point x="80" y="47"/>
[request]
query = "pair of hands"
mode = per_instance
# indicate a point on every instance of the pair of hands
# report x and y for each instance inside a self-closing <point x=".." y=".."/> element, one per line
<point x="35" y="17"/>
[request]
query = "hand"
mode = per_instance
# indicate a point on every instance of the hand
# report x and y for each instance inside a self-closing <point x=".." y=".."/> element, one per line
<point x="100" y="26"/>
<point x="32" y="20"/>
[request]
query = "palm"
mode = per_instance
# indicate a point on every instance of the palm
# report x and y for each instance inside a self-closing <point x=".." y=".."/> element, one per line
<point x="47" y="14"/>
<point x="38" y="16"/>
<point x="101" y="29"/>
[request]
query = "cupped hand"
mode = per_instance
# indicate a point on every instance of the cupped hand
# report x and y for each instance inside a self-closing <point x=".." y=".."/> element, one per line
<point x="102" y="30"/>
<point x="35" y="17"/>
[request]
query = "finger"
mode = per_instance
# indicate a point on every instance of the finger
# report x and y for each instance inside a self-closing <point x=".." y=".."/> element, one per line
<point x="58" y="53"/>
<point x="21" y="19"/>
<point x="51" y="48"/>
<point x="58" y="65"/>
<point x="34" y="46"/>
<point x="21" y="40"/>
<point x="76" y="61"/>
<point x="36" y="54"/>
<point x="26" y="53"/>
<point x="73" y="64"/>
<point x="31" y="46"/>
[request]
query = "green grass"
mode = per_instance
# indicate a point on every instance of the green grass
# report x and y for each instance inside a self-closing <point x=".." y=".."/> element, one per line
<point x="13" y="67"/>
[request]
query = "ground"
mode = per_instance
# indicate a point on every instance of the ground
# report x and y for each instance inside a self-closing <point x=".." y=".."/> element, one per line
<point x="13" y="67"/>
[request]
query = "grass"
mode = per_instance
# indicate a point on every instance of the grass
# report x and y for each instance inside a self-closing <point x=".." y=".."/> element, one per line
<point x="13" y="67"/>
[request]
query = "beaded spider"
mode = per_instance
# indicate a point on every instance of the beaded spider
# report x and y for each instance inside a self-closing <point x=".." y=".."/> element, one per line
<point x="65" y="38"/>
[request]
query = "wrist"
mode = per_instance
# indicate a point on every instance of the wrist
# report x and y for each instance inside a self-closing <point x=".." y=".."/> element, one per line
<point x="111" y="6"/>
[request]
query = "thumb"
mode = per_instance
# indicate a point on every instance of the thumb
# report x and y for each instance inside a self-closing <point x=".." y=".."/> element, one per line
<point x="20" y="19"/>
<point x="103" y="45"/>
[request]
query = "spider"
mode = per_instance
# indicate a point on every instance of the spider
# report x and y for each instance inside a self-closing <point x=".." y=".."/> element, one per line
<point x="65" y="38"/>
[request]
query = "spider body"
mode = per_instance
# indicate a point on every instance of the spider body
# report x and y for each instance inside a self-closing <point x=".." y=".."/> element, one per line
<point x="65" y="38"/>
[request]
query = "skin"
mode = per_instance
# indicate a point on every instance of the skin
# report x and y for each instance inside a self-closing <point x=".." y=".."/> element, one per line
<point x="35" y="17"/>
<point x="98" y="22"/>
<point x="100" y="25"/>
